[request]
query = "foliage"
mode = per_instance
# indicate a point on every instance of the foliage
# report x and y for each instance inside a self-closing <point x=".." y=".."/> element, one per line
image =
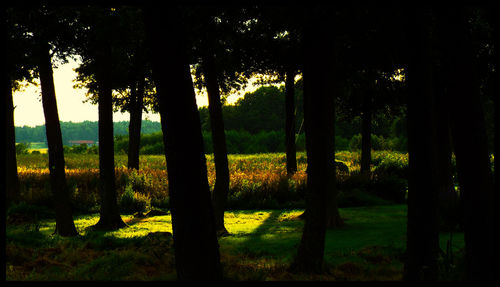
<point x="132" y="201"/>
<point x="22" y="148"/>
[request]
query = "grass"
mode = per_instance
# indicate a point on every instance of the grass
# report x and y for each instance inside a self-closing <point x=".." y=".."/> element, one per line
<point x="261" y="246"/>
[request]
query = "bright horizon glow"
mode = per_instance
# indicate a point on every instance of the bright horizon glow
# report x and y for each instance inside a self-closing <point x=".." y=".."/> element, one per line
<point x="70" y="106"/>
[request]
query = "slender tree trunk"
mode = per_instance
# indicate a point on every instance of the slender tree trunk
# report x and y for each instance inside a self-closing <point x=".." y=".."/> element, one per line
<point x="448" y="197"/>
<point x="494" y="202"/>
<point x="193" y="224"/>
<point x="366" y="132"/>
<point x="319" y="119"/>
<point x="221" y="188"/>
<point x="291" y="158"/>
<point x="110" y="218"/>
<point x="469" y="134"/>
<point x="12" y="179"/>
<point x="422" y="227"/>
<point x="64" y="218"/>
<point x="134" y="128"/>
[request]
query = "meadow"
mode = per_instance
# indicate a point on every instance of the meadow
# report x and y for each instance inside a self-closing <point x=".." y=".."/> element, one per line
<point x="256" y="180"/>
<point x="261" y="246"/>
<point x="262" y="219"/>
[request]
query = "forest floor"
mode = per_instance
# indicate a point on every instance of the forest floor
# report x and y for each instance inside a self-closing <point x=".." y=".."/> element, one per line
<point x="261" y="246"/>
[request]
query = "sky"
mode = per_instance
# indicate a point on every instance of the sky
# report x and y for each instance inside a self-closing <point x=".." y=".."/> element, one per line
<point x="29" y="111"/>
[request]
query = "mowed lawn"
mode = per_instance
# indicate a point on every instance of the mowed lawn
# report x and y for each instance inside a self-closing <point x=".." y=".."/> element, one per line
<point x="261" y="246"/>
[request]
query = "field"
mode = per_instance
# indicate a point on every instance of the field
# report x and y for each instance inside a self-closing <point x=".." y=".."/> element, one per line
<point x="256" y="181"/>
<point x="262" y="219"/>
<point x="262" y="245"/>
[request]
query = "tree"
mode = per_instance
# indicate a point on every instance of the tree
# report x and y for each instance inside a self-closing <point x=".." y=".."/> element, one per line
<point x="132" y="89"/>
<point x="468" y="134"/>
<point x="291" y="150"/>
<point x="422" y="227"/>
<point x="193" y="225"/>
<point x="98" y="49"/>
<point x="319" y="120"/>
<point x="43" y="22"/>
<point x="12" y="179"/>
<point x="209" y="67"/>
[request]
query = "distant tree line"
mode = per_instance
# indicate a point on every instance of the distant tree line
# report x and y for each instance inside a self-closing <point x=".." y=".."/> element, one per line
<point x="86" y="130"/>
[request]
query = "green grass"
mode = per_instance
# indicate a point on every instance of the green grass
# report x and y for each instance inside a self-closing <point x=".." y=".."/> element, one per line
<point x="261" y="246"/>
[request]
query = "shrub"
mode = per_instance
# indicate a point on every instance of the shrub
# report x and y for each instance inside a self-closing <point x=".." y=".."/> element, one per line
<point x="378" y="142"/>
<point x="22" y="148"/>
<point x="131" y="201"/>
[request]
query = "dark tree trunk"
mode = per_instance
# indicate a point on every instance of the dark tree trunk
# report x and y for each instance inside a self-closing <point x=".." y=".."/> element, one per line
<point x="193" y="225"/>
<point x="496" y="22"/>
<point x="366" y="132"/>
<point x="422" y="227"/>
<point x="319" y="119"/>
<point x="221" y="188"/>
<point x="448" y="197"/>
<point x="110" y="218"/>
<point x="64" y="218"/>
<point x="134" y="128"/>
<point x="12" y="179"/>
<point x="469" y="134"/>
<point x="291" y="158"/>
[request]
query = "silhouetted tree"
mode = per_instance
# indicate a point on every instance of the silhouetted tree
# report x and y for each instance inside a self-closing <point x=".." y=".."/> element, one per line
<point x="422" y="226"/>
<point x="99" y="51"/>
<point x="468" y="134"/>
<point x="290" y="120"/>
<point x="319" y="120"/>
<point x="11" y="176"/>
<point x="193" y="225"/>
<point x="209" y="68"/>
<point x="43" y="22"/>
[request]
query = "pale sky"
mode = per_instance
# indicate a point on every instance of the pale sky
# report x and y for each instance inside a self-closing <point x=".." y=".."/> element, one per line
<point x="29" y="111"/>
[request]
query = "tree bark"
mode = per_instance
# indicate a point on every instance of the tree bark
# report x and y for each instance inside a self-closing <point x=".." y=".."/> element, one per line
<point x="134" y="128"/>
<point x="64" y="218"/>
<point x="110" y="218"/>
<point x="195" y="241"/>
<point x="221" y="188"/>
<point x="422" y="227"/>
<point x="291" y="158"/>
<point x="366" y="131"/>
<point x="12" y="178"/>
<point x="319" y="119"/>
<point x="469" y="134"/>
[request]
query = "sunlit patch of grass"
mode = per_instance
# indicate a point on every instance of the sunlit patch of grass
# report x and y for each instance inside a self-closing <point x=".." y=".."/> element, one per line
<point x="261" y="246"/>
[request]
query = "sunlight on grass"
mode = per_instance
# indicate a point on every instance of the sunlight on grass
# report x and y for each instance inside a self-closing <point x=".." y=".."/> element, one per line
<point x="261" y="246"/>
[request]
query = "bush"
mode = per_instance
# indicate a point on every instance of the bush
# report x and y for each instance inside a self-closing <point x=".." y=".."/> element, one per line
<point x="131" y="201"/>
<point x="378" y="142"/>
<point x="22" y="148"/>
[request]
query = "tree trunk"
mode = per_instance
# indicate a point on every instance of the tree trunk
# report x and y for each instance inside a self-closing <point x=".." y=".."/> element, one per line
<point x="422" y="227"/>
<point x="366" y="131"/>
<point x="221" y="188"/>
<point x="110" y="218"/>
<point x="496" y="22"/>
<point x="12" y="179"/>
<point x="291" y="159"/>
<point x="319" y="119"/>
<point x="448" y="197"/>
<point x="64" y="218"/>
<point x="193" y="225"/>
<point x="134" y="128"/>
<point x="469" y="134"/>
